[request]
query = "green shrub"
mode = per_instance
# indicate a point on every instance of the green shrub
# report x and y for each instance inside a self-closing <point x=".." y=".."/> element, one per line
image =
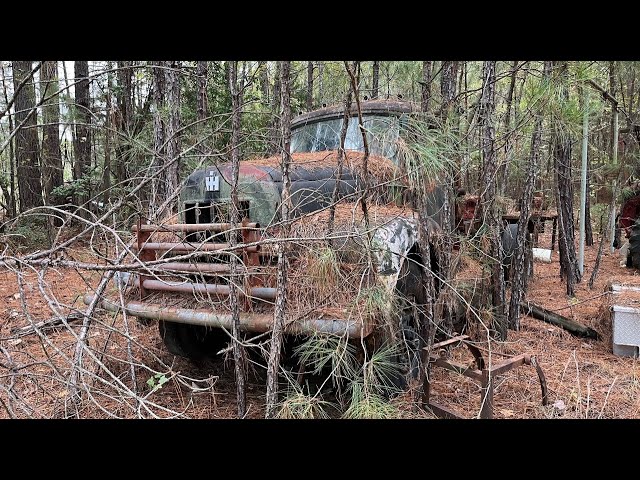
<point x="28" y="234"/>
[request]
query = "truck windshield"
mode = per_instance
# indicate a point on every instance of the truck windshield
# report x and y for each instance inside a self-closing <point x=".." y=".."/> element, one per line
<point x="382" y="135"/>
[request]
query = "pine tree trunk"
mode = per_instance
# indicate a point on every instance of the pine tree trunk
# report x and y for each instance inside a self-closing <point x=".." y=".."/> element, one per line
<point x="612" y="92"/>
<point x="487" y="199"/>
<point x="588" y="228"/>
<point x="172" y="133"/>
<point x="275" y="111"/>
<point x="10" y="196"/>
<point x="321" y="100"/>
<point x="447" y="113"/>
<point x="281" y="295"/>
<point x="124" y="122"/>
<point x="309" y="86"/>
<point x="375" y="80"/>
<point x="448" y="86"/>
<point x="427" y="71"/>
<point x="519" y="268"/>
<point x="340" y="161"/>
<point x="51" y="154"/>
<point x="27" y="145"/>
<point x="158" y="187"/>
<point x="564" y="194"/>
<point x="264" y="82"/>
<point x="238" y="350"/>
<point x="202" y="104"/>
<point x="82" y="146"/>
<point x="508" y="146"/>
<point x="108" y="123"/>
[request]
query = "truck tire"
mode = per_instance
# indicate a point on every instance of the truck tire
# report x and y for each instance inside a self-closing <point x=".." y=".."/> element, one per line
<point x="633" y="254"/>
<point x="191" y="341"/>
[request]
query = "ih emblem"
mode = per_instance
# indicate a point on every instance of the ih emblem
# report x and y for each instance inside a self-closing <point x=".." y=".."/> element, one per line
<point x="212" y="183"/>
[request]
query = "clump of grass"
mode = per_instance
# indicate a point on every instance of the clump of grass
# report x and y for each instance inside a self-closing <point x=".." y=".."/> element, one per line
<point x="320" y="351"/>
<point x="372" y="303"/>
<point x="380" y="370"/>
<point x="298" y="405"/>
<point x="323" y="269"/>
<point x="369" y="404"/>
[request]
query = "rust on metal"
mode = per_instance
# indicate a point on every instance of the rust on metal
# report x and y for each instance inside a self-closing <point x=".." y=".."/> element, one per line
<point x="543" y="381"/>
<point x="213" y="288"/>
<point x="190" y="227"/>
<point x="199" y="267"/>
<point x="145" y="255"/>
<point x="250" y="322"/>
<point x="193" y="247"/>
<point x="487" y="376"/>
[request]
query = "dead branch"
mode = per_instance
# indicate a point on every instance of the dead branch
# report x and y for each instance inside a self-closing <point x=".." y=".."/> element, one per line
<point x="45" y="325"/>
<point x="567" y="324"/>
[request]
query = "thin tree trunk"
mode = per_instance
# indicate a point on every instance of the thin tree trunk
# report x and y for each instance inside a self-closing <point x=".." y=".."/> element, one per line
<point x="612" y="209"/>
<point x="564" y="195"/>
<point x="309" y="86"/>
<point x="82" y="146"/>
<point x="202" y="104"/>
<point x="51" y="154"/>
<point x="275" y="107"/>
<point x="519" y="268"/>
<point x="508" y="144"/>
<point x="612" y="92"/>
<point x="27" y="144"/>
<point x="172" y="132"/>
<point x="321" y="83"/>
<point x="238" y="351"/>
<point x="375" y="80"/>
<point x="354" y="75"/>
<point x="67" y="155"/>
<point x="487" y="199"/>
<point x="341" y="154"/>
<point x="447" y="113"/>
<point x="124" y="123"/>
<point x="588" y="232"/>
<point x="106" y="169"/>
<point x="264" y="82"/>
<point x="281" y="295"/>
<point x="448" y="86"/>
<point x="158" y="187"/>
<point x="427" y="72"/>
<point x="11" y="196"/>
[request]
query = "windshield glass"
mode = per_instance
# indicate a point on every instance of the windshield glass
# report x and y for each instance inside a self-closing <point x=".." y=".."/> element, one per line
<point x="382" y="136"/>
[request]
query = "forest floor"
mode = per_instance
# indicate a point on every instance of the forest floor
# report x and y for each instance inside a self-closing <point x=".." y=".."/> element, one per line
<point x="584" y="378"/>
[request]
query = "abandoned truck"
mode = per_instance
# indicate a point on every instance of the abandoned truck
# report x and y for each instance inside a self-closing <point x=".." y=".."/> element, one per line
<point x="358" y="283"/>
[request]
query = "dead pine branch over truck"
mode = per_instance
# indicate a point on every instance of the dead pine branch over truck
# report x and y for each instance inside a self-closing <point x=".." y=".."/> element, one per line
<point x="318" y="239"/>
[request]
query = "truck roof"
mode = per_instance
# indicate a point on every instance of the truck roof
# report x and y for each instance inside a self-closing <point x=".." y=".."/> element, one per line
<point x="368" y="107"/>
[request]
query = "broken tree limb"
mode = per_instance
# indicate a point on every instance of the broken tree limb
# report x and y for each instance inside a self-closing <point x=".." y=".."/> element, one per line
<point x="45" y="325"/>
<point x="548" y="316"/>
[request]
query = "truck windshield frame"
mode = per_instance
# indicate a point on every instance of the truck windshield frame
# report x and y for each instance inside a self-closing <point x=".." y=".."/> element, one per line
<point x="383" y="133"/>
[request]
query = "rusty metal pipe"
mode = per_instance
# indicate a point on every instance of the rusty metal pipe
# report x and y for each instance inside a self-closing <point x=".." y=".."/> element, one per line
<point x="249" y="322"/>
<point x="196" y="267"/>
<point x="213" y="288"/>
<point x="193" y="247"/>
<point x="191" y="227"/>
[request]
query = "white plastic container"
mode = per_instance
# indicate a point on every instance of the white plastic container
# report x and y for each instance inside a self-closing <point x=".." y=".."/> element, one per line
<point x="542" y="254"/>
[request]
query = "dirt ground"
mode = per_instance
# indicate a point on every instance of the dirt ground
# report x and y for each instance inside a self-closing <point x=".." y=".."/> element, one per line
<point x="584" y="378"/>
